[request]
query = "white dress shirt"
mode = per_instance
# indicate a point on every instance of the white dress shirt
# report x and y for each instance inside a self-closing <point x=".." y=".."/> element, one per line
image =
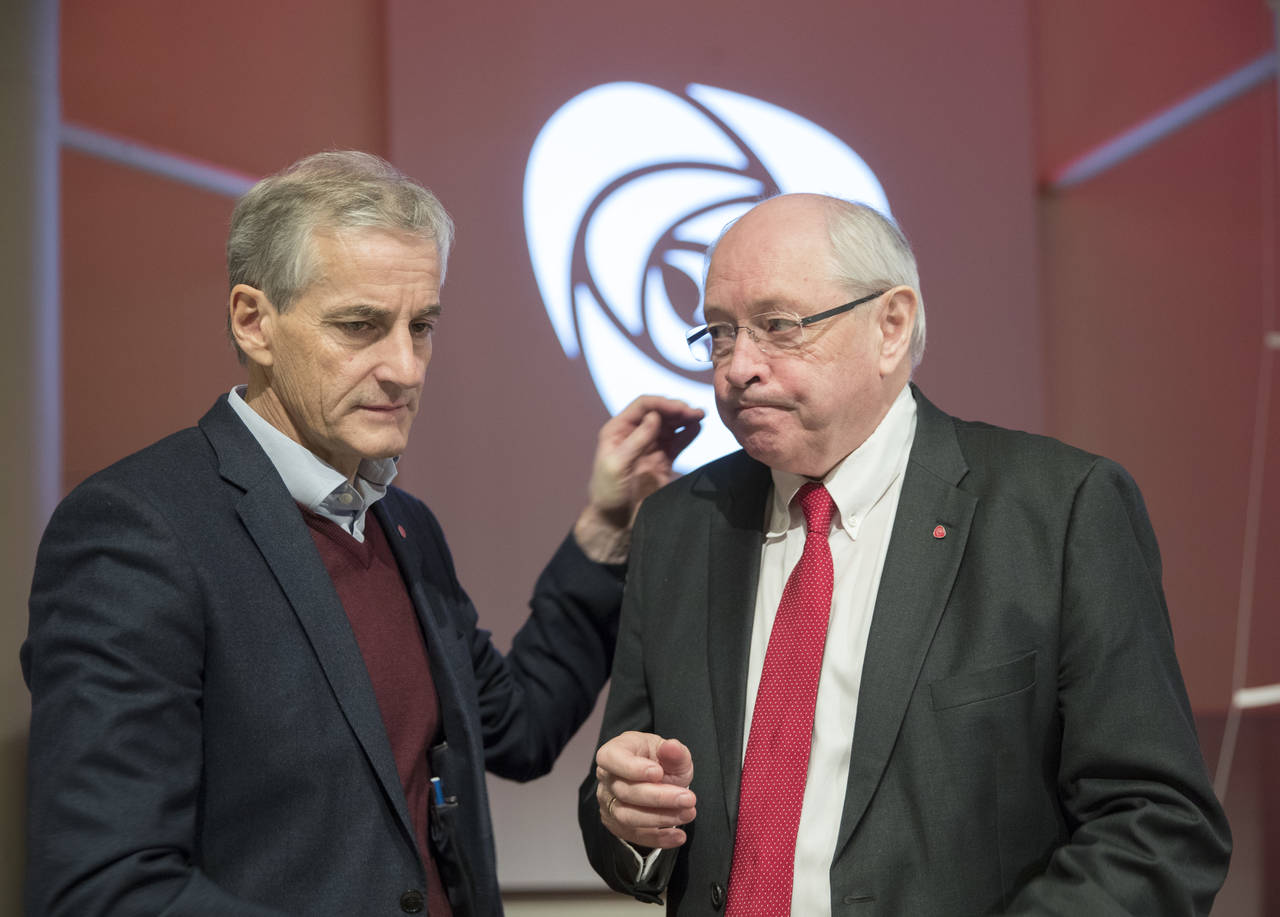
<point x="313" y="482"/>
<point x="865" y="487"/>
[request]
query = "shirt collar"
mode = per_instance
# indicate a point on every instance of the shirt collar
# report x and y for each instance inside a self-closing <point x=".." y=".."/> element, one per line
<point x="310" y="480"/>
<point x="860" y="479"/>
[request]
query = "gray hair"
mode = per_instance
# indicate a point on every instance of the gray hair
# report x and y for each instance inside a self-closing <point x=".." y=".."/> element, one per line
<point x="273" y="224"/>
<point x="868" y="253"/>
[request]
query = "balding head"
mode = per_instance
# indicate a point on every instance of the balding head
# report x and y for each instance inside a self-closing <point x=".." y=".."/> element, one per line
<point x="806" y="408"/>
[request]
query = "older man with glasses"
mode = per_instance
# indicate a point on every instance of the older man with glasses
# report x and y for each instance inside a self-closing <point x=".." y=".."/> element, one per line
<point x="884" y="661"/>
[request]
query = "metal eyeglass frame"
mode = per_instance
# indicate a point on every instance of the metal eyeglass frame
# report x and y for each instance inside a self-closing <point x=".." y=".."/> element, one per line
<point x="695" y="334"/>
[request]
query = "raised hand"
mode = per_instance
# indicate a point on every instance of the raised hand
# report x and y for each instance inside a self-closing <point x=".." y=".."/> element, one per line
<point x="634" y="455"/>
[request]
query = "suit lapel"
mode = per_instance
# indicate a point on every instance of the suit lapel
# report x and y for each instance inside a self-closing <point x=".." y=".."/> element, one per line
<point x="277" y="528"/>
<point x="919" y="571"/>
<point x="735" y="538"/>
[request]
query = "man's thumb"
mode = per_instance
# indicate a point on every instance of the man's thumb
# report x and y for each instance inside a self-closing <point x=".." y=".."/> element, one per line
<point x="676" y="761"/>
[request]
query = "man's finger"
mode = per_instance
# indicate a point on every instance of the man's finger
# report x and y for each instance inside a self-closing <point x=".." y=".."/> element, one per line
<point x="672" y="414"/>
<point x="635" y="817"/>
<point x="627" y="767"/>
<point x="668" y="407"/>
<point x="632" y="756"/>
<point x="665" y="797"/>
<point x="639" y="441"/>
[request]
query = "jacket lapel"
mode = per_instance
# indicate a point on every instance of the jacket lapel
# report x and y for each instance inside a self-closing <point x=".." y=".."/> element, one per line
<point x="436" y="628"/>
<point x="919" y="571"/>
<point x="277" y="528"/>
<point x="735" y="539"/>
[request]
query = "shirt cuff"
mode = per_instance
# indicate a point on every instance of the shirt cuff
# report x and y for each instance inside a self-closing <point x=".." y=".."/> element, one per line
<point x="643" y="862"/>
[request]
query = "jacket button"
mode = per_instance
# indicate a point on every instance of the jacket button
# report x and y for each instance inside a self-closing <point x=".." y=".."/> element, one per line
<point x="412" y="902"/>
<point x="717" y="895"/>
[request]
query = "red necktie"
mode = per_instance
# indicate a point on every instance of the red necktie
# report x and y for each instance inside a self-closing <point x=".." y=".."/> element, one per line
<point x="773" y="771"/>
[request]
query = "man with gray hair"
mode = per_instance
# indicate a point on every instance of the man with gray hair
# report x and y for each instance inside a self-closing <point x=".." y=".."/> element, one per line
<point x="885" y="661"/>
<point x="257" y="685"/>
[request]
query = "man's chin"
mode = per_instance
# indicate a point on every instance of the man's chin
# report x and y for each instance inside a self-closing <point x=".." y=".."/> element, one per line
<point x="761" y="445"/>
<point x="779" y="454"/>
<point x="374" y="448"/>
<point x="387" y="453"/>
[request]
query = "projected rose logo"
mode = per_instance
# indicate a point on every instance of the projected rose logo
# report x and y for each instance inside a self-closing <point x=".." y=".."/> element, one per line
<point x="627" y="184"/>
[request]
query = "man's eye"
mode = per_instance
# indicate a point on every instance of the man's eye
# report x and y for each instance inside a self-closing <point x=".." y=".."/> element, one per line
<point x="720" y="332"/>
<point x="778" y="324"/>
<point x="422" y="328"/>
<point x="357" y="327"/>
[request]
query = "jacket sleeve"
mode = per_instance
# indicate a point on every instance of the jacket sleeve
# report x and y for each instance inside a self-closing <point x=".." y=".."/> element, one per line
<point x="113" y="659"/>
<point x="627" y="708"/>
<point x="1147" y="835"/>
<point x="535" y="697"/>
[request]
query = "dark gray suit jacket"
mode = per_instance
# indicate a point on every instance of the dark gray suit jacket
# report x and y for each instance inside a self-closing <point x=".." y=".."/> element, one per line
<point x="1023" y="742"/>
<point x="205" y="739"/>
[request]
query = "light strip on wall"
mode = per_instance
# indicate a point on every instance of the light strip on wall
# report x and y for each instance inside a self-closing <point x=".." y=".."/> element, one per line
<point x="45" y="467"/>
<point x="144" y="158"/>
<point x="1154" y="129"/>
<point x="1267" y="696"/>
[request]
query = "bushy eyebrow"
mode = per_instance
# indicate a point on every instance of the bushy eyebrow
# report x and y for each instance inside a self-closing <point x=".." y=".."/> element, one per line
<point x="368" y="312"/>
<point x="357" y="311"/>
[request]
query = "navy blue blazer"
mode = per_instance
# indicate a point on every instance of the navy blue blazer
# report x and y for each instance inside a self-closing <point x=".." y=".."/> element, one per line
<point x="1023" y="741"/>
<point x="204" y="736"/>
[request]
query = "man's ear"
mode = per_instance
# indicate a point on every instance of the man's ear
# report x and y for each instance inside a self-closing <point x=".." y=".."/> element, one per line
<point x="252" y="317"/>
<point x="897" y="319"/>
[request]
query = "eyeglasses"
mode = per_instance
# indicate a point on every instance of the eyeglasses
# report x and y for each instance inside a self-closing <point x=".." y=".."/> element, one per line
<point x="772" y="332"/>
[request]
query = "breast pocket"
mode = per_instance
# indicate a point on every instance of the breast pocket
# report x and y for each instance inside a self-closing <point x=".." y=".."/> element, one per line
<point x="973" y="687"/>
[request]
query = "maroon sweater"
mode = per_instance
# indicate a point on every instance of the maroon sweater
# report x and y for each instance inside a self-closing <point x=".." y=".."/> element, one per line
<point x="395" y="653"/>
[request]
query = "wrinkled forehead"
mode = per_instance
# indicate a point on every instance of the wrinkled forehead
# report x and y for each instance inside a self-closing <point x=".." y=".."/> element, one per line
<point x="766" y="265"/>
<point x="331" y="249"/>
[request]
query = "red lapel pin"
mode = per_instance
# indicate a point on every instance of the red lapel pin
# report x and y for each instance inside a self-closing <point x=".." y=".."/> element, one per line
<point x="403" y="533"/>
<point x="938" y="532"/>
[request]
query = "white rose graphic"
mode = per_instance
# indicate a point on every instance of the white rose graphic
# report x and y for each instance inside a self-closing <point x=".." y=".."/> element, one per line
<point x="627" y="184"/>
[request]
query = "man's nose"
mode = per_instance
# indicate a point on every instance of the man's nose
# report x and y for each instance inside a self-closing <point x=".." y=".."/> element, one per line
<point x="745" y="361"/>
<point x="404" y="358"/>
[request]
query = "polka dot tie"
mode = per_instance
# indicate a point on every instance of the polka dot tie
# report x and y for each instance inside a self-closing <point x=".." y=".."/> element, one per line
<point x="773" y="771"/>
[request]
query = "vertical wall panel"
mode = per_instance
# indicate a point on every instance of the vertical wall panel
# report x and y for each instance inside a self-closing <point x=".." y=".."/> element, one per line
<point x="1159" y="280"/>
<point x="143" y="346"/>
<point x="1154" y="321"/>
<point x="28" y="373"/>
<point x="238" y="85"/>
